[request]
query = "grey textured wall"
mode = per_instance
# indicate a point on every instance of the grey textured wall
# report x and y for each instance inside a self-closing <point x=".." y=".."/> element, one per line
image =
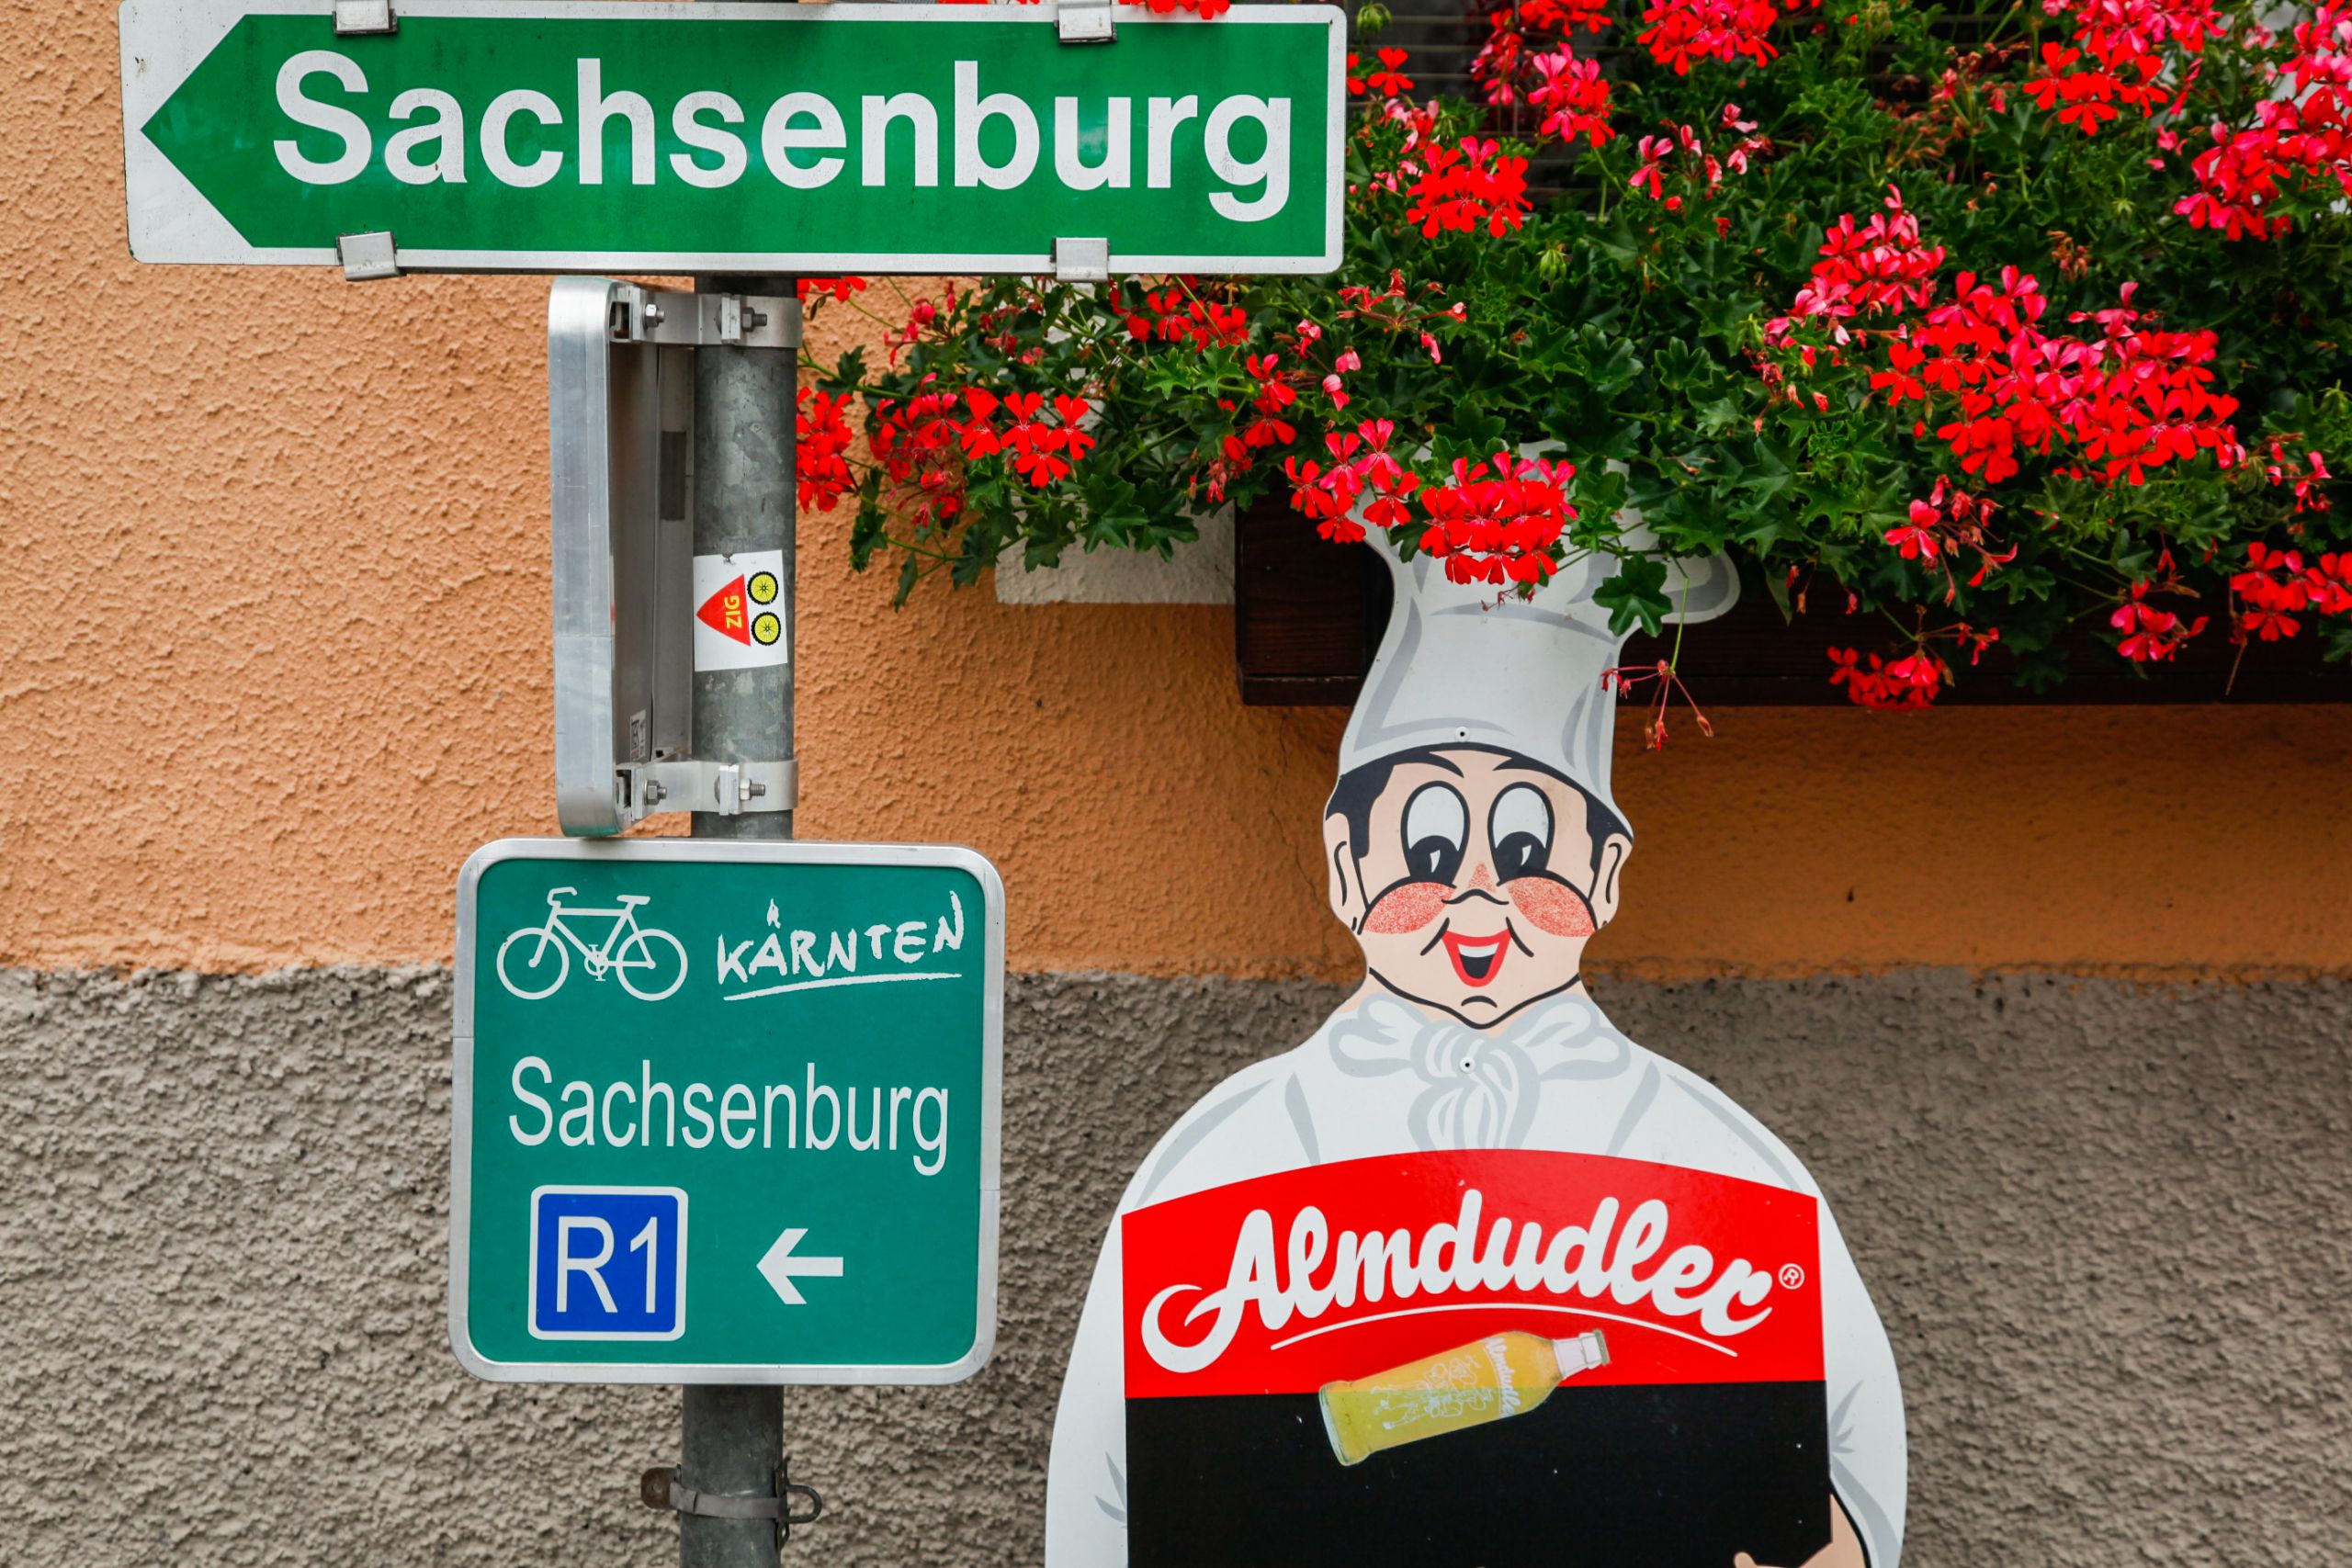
<point x="2111" y="1230"/>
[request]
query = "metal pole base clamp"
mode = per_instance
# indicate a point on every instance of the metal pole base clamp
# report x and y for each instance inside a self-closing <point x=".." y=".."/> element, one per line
<point x="660" y="1488"/>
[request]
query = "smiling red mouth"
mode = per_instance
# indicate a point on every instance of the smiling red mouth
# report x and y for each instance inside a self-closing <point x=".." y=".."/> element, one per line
<point x="1477" y="959"/>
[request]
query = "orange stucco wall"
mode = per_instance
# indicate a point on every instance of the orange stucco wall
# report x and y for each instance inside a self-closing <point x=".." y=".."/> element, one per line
<point x="273" y="659"/>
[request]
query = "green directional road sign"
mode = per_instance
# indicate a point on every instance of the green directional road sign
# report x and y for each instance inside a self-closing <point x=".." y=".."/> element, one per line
<point x="544" y="136"/>
<point x="726" y="1111"/>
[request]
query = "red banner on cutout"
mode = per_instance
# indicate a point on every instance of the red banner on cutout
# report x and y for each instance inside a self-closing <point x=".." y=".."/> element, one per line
<point x="1335" y="1271"/>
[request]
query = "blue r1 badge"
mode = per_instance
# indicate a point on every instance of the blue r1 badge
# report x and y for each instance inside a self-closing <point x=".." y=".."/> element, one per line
<point x="608" y="1263"/>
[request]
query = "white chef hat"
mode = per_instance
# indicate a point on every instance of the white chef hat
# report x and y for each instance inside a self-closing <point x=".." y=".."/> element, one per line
<point x="1458" y="668"/>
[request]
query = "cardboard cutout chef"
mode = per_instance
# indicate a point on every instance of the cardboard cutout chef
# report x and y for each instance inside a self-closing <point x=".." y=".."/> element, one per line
<point x="1469" y="1280"/>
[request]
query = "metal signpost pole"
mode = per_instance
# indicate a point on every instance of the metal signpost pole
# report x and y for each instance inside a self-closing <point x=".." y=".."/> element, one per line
<point x="744" y="500"/>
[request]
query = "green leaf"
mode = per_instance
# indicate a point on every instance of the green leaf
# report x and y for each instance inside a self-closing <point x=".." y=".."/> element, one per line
<point x="1679" y="366"/>
<point x="1475" y="434"/>
<point x="849" y="372"/>
<point x="1718" y="416"/>
<point x="1635" y="595"/>
<point x="1606" y="361"/>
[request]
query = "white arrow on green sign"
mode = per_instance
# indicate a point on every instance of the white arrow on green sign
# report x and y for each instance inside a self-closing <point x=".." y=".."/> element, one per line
<point x="546" y="136"/>
<point x="726" y="1111"/>
<point x="779" y="1266"/>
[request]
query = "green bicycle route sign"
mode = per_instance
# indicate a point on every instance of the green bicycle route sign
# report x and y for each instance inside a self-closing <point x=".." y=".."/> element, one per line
<point x="565" y="135"/>
<point x="726" y="1111"/>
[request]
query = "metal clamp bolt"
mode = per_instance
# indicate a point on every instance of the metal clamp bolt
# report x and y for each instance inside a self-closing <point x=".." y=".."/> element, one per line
<point x="725" y="789"/>
<point x="703" y="321"/>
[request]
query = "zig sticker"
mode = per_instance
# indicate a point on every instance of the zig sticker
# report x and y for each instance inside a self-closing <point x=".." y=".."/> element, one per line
<point x="739" y="611"/>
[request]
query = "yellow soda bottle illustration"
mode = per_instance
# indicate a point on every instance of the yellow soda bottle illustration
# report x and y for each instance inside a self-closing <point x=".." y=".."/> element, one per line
<point x="1501" y="1375"/>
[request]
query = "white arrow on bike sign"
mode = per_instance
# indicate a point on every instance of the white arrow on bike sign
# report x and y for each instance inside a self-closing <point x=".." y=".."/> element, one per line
<point x="659" y="1041"/>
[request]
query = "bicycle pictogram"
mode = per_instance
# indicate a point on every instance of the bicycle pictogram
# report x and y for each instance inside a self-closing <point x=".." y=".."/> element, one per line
<point x="638" y="956"/>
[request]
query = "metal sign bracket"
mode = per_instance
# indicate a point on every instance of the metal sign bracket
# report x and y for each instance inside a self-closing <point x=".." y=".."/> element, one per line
<point x="1086" y="21"/>
<point x="367" y="257"/>
<point x="1081" y="261"/>
<point x="363" y="19"/>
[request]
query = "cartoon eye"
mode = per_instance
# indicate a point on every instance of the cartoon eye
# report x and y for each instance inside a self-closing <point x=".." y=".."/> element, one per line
<point x="1436" y="824"/>
<point x="1520" y="827"/>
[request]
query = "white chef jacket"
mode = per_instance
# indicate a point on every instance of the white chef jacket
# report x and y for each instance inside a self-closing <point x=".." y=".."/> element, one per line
<point x="1383" y="1077"/>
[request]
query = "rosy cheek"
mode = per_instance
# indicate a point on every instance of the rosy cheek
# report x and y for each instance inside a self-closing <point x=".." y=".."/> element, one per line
<point x="1408" y="908"/>
<point x="1553" y="907"/>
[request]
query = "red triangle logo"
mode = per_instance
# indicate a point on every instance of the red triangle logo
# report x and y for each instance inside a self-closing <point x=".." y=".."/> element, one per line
<point x="728" y="613"/>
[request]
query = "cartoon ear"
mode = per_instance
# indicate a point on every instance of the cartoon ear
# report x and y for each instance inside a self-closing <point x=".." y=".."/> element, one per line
<point x="1606" y="895"/>
<point x="1702" y="587"/>
<point x="1346" y="879"/>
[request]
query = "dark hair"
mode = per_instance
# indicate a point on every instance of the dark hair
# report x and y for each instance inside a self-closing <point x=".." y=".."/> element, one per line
<point x="1353" y="796"/>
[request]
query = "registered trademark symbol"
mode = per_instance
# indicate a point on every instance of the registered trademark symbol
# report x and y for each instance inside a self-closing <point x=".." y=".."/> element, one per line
<point x="1792" y="1276"/>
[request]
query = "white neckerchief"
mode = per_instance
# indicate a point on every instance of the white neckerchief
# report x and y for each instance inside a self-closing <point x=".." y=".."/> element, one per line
<point x="1482" y="1086"/>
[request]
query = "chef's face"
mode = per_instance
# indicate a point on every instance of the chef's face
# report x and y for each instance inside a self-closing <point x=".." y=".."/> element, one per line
<point x="1477" y="884"/>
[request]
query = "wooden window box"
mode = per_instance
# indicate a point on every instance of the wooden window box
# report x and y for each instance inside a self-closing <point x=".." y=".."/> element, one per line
<point x="1308" y="616"/>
